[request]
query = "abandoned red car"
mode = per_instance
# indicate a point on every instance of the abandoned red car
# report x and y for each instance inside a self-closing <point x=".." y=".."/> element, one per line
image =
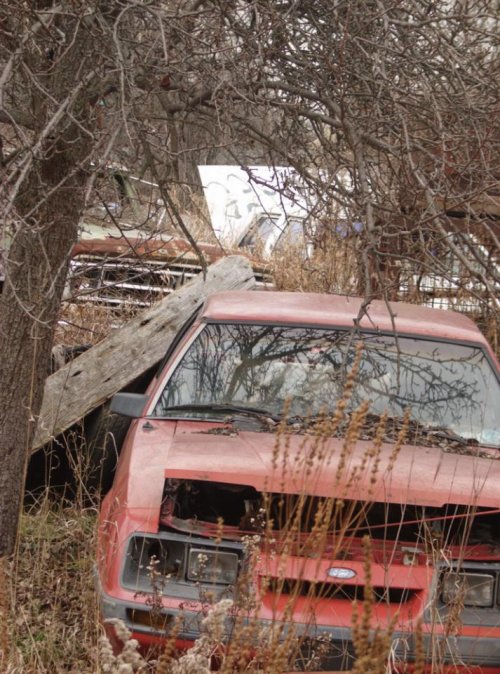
<point x="356" y="448"/>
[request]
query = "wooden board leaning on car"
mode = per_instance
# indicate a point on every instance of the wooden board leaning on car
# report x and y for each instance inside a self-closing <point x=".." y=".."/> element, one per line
<point x="90" y="379"/>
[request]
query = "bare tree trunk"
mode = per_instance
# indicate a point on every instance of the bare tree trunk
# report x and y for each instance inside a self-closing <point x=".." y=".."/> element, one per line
<point x="42" y="212"/>
<point x="36" y="271"/>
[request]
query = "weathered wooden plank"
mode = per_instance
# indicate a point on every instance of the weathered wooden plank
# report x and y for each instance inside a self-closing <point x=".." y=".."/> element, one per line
<point x="85" y="383"/>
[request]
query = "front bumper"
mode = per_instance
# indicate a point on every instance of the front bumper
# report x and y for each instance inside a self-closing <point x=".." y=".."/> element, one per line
<point x="453" y="653"/>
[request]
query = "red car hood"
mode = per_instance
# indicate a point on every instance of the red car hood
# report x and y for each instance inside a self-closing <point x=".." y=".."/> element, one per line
<point x="420" y="475"/>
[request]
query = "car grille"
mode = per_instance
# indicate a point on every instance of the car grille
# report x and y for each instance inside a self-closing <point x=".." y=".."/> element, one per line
<point x="319" y="591"/>
<point x="119" y="281"/>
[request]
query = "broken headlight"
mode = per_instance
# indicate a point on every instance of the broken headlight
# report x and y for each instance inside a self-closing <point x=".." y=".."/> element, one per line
<point x="150" y="559"/>
<point x="179" y="561"/>
<point x="470" y="589"/>
<point x="212" y="566"/>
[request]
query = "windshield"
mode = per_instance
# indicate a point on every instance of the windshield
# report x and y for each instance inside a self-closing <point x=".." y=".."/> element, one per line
<point x="444" y="385"/>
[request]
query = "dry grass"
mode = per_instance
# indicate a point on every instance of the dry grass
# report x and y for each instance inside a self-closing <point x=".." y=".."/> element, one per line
<point x="332" y="268"/>
<point x="88" y="323"/>
<point x="52" y="611"/>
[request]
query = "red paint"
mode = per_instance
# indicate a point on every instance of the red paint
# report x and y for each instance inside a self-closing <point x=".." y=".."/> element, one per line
<point x="422" y="475"/>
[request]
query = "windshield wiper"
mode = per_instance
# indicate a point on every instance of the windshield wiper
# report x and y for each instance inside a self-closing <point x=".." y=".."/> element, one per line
<point x="224" y="407"/>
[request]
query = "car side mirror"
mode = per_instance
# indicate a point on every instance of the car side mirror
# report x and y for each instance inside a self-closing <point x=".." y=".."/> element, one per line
<point x="129" y="404"/>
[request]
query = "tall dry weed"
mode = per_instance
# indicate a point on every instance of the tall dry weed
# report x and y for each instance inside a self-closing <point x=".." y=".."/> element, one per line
<point x="5" y="615"/>
<point x="372" y="647"/>
<point x="332" y="267"/>
<point x="55" y="622"/>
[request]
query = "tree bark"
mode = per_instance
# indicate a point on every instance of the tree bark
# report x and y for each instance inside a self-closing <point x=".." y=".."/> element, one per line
<point x="35" y="275"/>
<point x="43" y="226"/>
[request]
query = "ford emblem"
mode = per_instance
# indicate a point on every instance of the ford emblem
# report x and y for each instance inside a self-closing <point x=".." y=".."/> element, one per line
<point x="341" y="573"/>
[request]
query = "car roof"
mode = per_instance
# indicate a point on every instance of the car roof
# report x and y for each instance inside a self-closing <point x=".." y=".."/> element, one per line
<point x="322" y="310"/>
